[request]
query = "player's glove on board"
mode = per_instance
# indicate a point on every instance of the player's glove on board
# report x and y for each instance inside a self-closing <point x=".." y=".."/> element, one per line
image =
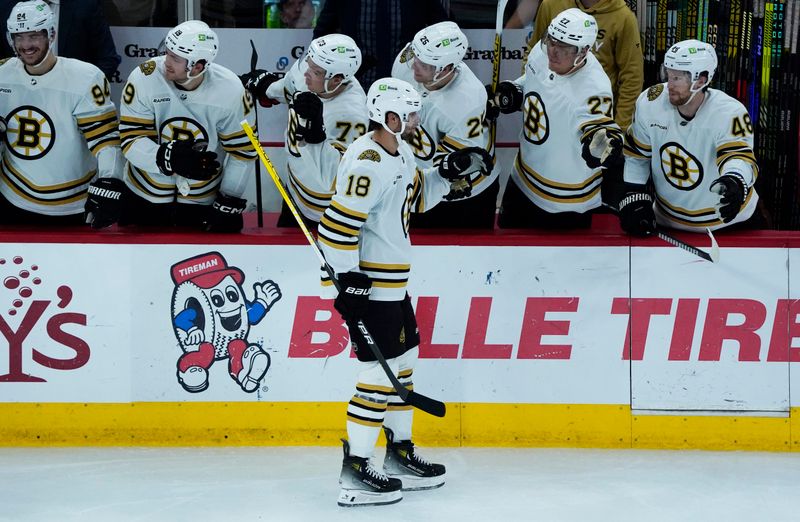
<point x="636" y="214"/>
<point x="187" y="158"/>
<point x="733" y="191"/>
<point x="104" y="202"/>
<point x="225" y="214"/>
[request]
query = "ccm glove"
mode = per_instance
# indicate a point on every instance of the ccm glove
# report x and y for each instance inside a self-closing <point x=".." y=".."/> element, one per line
<point x="187" y="158"/>
<point x="225" y="214"/>
<point x="604" y="149"/>
<point x="308" y="107"/>
<point x="257" y="81"/>
<point x="733" y="191"/>
<point x="636" y="214"/>
<point x="461" y="168"/>
<point x="104" y="202"/>
<point x="353" y="299"/>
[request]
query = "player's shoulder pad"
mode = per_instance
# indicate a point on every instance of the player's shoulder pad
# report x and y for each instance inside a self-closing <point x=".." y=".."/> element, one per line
<point x="655" y="91"/>
<point x="148" y="67"/>
<point x="369" y="155"/>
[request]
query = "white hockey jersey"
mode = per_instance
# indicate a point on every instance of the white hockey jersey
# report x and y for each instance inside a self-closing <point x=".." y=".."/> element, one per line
<point x="311" y="171"/>
<point x="686" y="156"/>
<point x="365" y="228"/>
<point x="62" y="131"/>
<point x="557" y="113"/>
<point x="154" y="110"/>
<point x="451" y="118"/>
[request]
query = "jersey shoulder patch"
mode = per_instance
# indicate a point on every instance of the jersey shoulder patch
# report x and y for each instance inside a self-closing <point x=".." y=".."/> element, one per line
<point x="406" y="54"/>
<point x="370" y="155"/>
<point x="655" y="91"/>
<point x="148" y="67"/>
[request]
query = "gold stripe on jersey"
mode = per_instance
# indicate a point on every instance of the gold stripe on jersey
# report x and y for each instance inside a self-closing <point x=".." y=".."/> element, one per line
<point x="702" y="218"/>
<point x="588" y="128"/>
<point x="142" y="180"/>
<point x="576" y="192"/>
<point x="386" y="275"/>
<point x="418" y="192"/>
<point x="374" y="388"/>
<point x="736" y="150"/>
<point x="634" y="148"/>
<point x="340" y="227"/>
<point x="238" y="145"/>
<point x="52" y="195"/>
<point x="131" y="129"/>
<point x="100" y="131"/>
<point x="317" y="201"/>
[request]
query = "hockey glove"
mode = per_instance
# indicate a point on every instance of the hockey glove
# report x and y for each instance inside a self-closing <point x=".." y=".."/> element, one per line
<point x="187" y="158"/>
<point x="492" y="110"/>
<point x="353" y="299"/>
<point x="604" y="149"/>
<point x="104" y="202"/>
<point x="508" y="97"/>
<point x="225" y="214"/>
<point x="733" y="191"/>
<point x="636" y="214"/>
<point x="257" y="81"/>
<point x="308" y="107"/>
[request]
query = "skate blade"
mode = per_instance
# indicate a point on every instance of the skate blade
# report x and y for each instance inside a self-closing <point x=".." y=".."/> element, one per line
<point x="360" y="498"/>
<point x="415" y="483"/>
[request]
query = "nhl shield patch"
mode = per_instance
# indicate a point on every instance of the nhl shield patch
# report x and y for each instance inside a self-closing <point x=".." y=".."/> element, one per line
<point x="655" y="91"/>
<point x="370" y="155"/>
<point x="148" y="67"/>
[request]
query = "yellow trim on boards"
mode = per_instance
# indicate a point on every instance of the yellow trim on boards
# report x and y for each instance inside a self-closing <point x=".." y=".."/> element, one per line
<point x="323" y="424"/>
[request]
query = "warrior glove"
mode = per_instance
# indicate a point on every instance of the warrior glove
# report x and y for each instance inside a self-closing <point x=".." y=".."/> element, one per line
<point x="104" y="202"/>
<point x="462" y="167"/>
<point x="225" y="214"/>
<point x="257" y="82"/>
<point x="636" y="214"/>
<point x="353" y="299"/>
<point x="187" y="158"/>
<point x="733" y="191"/>
<point x="308" y="107"/>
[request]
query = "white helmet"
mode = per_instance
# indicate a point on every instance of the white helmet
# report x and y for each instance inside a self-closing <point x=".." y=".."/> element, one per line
<point x="193" y="41"/>
<point x="574" y="27"/>
<point x="440" y="45"/>
<point x="33" y="15"/>
<point x="694" y="57"/>
<point x="337" y="54"/>
<point x="392" y="95"/>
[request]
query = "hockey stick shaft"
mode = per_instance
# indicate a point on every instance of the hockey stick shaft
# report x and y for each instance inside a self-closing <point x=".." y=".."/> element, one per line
<point x="498" y="52"/>
<point x="259" y="202"/>
<point x="412" y="398"/>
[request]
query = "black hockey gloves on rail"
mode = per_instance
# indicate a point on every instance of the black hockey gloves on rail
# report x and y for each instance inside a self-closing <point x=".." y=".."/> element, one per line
<point x="104" y="202"/>
<point x="733" y="191"/>
<point x="187" y="158"/>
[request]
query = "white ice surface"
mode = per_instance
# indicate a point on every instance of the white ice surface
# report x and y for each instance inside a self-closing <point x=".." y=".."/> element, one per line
<point x="287" y="484"/>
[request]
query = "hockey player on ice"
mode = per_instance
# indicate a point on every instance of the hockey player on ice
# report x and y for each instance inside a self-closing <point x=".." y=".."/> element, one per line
<point x="568" y="136"/>
<point x="452" y="118"/>
<point x="696" y="143"/>
<point x="212" y="320"/>
<point x="189" y="159"/>
<point x="61" y="164"/>
<point x="326" y="106"/>
<point x="364" y="237"/>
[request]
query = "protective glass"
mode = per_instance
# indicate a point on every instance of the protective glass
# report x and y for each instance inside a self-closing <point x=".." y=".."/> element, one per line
<point x="675" y="77"/>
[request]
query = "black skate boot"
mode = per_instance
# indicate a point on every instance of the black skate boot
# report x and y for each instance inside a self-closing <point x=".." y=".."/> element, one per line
<point x="403" y="462"/>
<point x="363" y="485"/>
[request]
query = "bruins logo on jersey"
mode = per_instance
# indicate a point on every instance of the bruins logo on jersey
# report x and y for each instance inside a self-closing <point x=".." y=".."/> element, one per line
<point x="536" y="123"/>
<point x="655" y="91"/>
<point x="422" y="144"/>
<point x="30" y="132"/>
<point x="370" y="155"/>
<point x="181" y="129"/>
<point x="148" y="67"/>
<point x="680" y="168"/>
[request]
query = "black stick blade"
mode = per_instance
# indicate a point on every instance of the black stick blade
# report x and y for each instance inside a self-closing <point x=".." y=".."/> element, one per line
<point x="426" y="404"/>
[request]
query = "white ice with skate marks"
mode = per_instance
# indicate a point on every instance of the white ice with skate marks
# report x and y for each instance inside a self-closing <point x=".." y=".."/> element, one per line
<point x="300" y="484"/>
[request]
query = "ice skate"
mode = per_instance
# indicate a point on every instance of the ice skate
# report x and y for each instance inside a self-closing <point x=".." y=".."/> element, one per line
<point x="403" y="462"/>
<point x="363" y="485"/>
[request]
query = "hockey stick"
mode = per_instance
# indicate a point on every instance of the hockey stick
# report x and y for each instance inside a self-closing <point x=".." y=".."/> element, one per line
<point x="410" y="397"/>
<point x="259" y="202"/>
<point x="498" y="51"/>
<point x="712" y="256"/>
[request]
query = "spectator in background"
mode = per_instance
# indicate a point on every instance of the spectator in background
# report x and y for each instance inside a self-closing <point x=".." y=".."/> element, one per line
<point x="618" y="47"/>
<point x="381" y="28"/>
<point x="82" y="32"/>
<point x="523" y="15"/>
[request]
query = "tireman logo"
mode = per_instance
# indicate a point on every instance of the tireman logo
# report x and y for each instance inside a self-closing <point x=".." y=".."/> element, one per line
<point x="211" y="318"/>
<point x="30" y="133"/>
<point x="21" y="281"/>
